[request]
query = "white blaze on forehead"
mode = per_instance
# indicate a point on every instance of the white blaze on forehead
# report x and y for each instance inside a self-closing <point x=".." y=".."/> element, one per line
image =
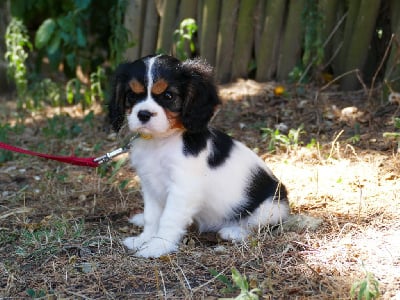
<point x="150" y="79"/>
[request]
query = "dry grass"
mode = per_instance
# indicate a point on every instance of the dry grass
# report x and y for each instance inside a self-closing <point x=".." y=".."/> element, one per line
<point x="61" y="226"/>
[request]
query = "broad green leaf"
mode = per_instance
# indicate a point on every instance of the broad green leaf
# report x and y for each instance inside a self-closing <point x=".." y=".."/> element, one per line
<point x="54" y="44"/>
<point x="82" y="4"/>
<point x="81" y="39"/>
<point x="44" y="33"/>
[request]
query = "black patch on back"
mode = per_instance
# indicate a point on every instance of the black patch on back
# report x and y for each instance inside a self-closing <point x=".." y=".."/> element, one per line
<point x="194" y="142"/>
<point x="221" y="145"/>
<point x="260" y="187"/>
<point x="221" y="148"/>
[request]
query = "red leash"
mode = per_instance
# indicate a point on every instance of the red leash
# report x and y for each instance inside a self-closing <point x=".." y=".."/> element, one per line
<point x="73" y="160"/>
<point x="93" y="162"/>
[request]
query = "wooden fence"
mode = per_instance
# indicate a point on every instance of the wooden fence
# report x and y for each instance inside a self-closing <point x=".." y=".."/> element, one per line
<point x="268" y="39"/>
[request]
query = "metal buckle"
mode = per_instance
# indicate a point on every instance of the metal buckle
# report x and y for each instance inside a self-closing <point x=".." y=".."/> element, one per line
<point x="110" y="155"/>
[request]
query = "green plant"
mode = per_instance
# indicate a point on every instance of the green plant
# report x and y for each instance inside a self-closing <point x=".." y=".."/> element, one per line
<point x="44" y="91"/>
<point x="36" y="293"/>
<point x="46" y="237"/>
<point x="313" y="48"/>
<point x="97" y="81"/>
<point x="5" y="131"/>
<point x="17" y="43"/>
<point x="241" y="282"/>
<point x="230" y="288"/>
<point x="72" y="37"/>
<point x="367" y="288"/>
<point x="394" y="135"/>
<point x="119" y="38"/>
<point x="184" y="38"/>
<point x="65" y="38"/>
<point x="56" y="127"/>
<point x="278" y="139"/>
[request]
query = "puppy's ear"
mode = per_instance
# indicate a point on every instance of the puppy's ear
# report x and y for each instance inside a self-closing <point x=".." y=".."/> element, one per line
<point x="117" y="104"/>
<point x="201" y="97"/>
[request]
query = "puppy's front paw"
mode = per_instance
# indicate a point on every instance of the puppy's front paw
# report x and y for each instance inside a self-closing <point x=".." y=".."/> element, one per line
<point x="233" y="233"/>
<point x="137" y="220"/>
<point x="135" y="242"/>
<point x="156" y="247"/>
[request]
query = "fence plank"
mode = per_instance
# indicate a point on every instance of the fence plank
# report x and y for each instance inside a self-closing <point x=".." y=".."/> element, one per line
<point x="226" y="40"/>
<point x="392" y="73"/>
<point x="134" y="23"/>
<point x="150" y="30"/>
<point x="187" y="9"/>
<point x="209" y="29"/>
<point x="329" y="10"/>
<point x="269" y="42"/>
<point x="361" y="39"/>
<point x="291" y="42"/>
<point x="351" y="19"/>
<point x="168" y="23"/>
<point x="244" y="39"/>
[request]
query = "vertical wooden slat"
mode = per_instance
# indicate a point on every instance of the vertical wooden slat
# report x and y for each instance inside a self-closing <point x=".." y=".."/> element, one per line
<point x="267" y="53"/>
<point x="208" y="34"/>
<point x="259" y="18"/>
<point x="244" y="39"/>
<point x="291" y="42"/>
<point x="134" y="23"/>
<point x="168" y="23"/>
<point x="150" y="30"/>
<point x="393" y="63"/>
<point x="226" y="40"/>
<point x="351" y="20"/>
<point x="328" y="9"/>
<point x="187" y="9"/>
<point x="361" y="39"/>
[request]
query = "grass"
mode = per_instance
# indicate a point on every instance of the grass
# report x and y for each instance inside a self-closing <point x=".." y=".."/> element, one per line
<point x="61" y="226"/>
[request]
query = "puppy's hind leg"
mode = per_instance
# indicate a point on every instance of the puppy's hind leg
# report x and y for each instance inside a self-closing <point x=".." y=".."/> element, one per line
<point x="234" y="232"/>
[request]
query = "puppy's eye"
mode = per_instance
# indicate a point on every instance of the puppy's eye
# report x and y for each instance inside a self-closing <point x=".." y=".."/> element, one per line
<point x="168" y="96"/>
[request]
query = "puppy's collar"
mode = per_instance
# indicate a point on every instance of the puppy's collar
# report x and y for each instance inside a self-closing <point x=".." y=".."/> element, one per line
<point x="110" y="155"/>
<point x="145" y="136"/>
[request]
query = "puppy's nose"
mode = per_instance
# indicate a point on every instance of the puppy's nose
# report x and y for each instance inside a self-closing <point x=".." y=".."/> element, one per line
<point x="144" y="115"/>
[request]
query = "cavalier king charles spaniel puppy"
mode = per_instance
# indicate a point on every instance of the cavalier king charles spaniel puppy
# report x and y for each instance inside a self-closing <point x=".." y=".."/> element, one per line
<point x="189" y="172"/>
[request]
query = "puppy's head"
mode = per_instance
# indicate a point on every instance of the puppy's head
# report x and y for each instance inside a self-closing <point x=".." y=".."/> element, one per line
<point x="158" y="95"/>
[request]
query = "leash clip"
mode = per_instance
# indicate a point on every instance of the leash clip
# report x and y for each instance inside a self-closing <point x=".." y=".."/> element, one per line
<point x="110" y="155"/>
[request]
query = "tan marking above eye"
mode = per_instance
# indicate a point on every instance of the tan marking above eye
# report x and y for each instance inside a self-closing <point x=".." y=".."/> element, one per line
<point x="137" y="87"/>
<point x="159" y="87"/>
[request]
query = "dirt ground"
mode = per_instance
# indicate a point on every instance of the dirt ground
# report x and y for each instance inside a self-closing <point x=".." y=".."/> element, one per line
<point x="61" y="226"/>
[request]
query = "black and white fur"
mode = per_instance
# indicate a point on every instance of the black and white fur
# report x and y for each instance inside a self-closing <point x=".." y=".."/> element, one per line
<point x="189" y="172"/>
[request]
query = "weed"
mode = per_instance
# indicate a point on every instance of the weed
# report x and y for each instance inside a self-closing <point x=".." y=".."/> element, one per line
<point x="313" y="53"/>
<point x="394" y="135"/>
<point x="78" y="92"/>
<point x="5" y="131"/>
<point x="17" y="41"/>
<point x="119" y="39"/>
<point x="230" y="288"/>
<point x="184" y="39"/>
<point x="367" y="288"/>
<point x="278" y="139"/>
<point x="240" y="282"/>
<point x="36" y="293"/>
<point x="43" y="239"/>
<point x="44" y="91"/>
